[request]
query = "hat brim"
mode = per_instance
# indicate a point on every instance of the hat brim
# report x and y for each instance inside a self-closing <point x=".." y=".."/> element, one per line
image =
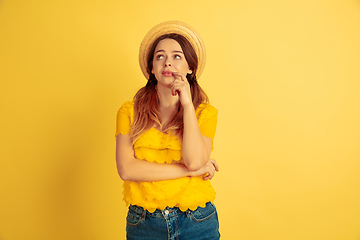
<point x="167" y="28"/>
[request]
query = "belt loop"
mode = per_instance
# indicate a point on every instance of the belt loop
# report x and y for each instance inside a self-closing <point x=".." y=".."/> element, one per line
<point x="143" y="214"/>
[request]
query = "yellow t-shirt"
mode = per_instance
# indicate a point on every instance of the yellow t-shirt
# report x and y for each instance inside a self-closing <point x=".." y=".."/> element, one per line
<point x="156" y="146"/>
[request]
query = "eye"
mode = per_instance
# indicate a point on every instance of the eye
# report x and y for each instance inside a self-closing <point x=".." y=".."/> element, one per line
<point x="159" y="57"/>
<point x="177" y="57"/>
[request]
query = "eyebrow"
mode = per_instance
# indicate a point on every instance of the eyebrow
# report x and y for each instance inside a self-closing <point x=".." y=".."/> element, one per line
<point x="172" y="51"/>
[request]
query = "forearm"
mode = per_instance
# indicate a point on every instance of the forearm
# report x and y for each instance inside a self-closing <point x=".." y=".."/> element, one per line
<point x="144" y="171"/>
<point x="195" y="152"/>
<point x="133" y="169"/>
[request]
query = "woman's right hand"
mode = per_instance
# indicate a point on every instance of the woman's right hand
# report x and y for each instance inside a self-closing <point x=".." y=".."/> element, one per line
<point x="207" y="171"/>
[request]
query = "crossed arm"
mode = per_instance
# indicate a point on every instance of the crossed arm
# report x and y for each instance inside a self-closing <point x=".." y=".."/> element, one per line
<point x="133" y="169"/>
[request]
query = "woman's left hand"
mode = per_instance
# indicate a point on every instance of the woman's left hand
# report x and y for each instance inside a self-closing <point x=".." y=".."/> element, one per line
<point x="207" y="171"/>
<point x="181" y="87"/>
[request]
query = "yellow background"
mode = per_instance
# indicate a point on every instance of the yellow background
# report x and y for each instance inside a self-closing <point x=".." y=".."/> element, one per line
<point x="283" y="74"/>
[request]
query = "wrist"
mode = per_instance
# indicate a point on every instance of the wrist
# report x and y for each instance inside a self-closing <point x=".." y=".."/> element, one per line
<point x="190" y="173"/>
<point x="185" y="171"/>
<point x="188" y="106"/>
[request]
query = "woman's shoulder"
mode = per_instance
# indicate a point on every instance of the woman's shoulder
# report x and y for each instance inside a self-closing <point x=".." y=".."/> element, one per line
<point x="206" y="110"/>
<point x="128" y="105"/>
<point x="127" y="108"/>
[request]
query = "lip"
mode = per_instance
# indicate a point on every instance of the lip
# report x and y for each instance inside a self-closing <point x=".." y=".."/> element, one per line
<point x="167" y="73"/>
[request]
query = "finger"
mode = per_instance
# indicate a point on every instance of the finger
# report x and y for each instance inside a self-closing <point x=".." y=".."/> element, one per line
<point x="210" y="175"/>
<point x="180" y="76"/>
<point x="211" y="172"/>
<point x="173" y="88"/>
<point x="177" y="86"/>
<point x="175" y="91"/>
<point x="206" y="176"/>
<point x="216" y="166"/>
<point x="214" y="163"/>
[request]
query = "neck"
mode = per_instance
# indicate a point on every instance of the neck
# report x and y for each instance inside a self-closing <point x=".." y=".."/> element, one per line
<point x="167" y="100"/>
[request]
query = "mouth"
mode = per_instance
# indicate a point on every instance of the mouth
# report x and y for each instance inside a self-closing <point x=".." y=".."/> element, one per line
<point x="167" y="73"/>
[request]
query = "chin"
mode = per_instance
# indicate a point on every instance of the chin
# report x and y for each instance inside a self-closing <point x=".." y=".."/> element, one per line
<point x="166" y="82"/>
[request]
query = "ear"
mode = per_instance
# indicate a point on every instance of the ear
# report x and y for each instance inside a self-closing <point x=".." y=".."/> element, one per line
<point x="190" y="71"/>
<point x="152" y="71"/>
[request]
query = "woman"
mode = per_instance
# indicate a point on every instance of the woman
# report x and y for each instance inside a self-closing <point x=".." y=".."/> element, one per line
<point x="164" y="139"/>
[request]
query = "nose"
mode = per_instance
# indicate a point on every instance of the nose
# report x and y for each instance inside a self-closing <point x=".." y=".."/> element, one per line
<point x="167" y="63"/>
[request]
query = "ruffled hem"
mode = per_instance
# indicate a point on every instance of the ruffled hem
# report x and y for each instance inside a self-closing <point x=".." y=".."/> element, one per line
<point x="156" y="146"/>
<point x="155" y="139"/>
<point x="185" y="193"/>
<point x="159" y="156"/>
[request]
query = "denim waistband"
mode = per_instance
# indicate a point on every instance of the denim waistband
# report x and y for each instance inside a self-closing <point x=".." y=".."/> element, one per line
<point x="171" y="211"/>
<point x="158" y="213"/>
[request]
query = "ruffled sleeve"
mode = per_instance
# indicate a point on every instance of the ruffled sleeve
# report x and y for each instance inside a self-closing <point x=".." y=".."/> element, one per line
<point x="207" y="119"/>
<point x="124" y="118"/>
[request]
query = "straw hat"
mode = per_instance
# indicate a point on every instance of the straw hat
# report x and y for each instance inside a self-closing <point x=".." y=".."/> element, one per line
<point x="172" y="27"/>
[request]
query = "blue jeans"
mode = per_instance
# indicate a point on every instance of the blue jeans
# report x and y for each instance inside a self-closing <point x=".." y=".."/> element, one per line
<point x="172" y="224"/>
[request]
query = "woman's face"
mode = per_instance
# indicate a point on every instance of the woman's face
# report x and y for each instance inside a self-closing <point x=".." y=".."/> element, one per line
<point x="169" y="58"/>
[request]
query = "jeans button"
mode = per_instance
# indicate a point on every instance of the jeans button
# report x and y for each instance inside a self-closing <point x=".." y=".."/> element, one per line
<point x="166" y="212"/>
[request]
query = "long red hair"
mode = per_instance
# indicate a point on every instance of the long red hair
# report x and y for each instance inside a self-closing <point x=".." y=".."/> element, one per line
<point x="146" y="100"/>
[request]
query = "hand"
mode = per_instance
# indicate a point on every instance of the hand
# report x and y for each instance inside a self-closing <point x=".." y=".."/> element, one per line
<point x="181" y="87"/>
<point x="207" y="171"/>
